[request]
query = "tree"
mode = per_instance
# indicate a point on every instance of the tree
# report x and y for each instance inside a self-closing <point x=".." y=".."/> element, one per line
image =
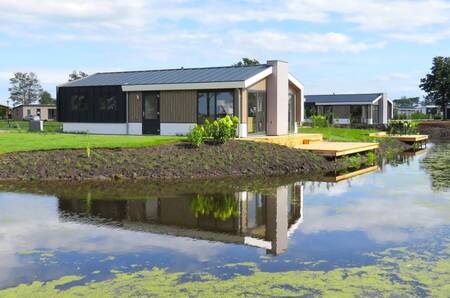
<point x="45" y="98"/>
<point x="76" y="75"/>
<point x="406" y="101"/>
<point x="437" y="83"/>
<point x="25" y="88"/>
<point x="247" y="61"/>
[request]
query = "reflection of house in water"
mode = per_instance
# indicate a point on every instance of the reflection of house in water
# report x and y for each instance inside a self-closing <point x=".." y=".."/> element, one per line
<point x="263" y="220"/>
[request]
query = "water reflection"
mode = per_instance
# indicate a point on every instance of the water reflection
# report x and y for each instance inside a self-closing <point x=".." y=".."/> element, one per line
<point x="258" y="219"/>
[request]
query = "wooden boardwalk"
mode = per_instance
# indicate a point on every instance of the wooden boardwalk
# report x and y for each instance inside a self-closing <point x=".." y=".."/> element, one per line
<point x="403" y="138"/>
<point x="314" y="142"/>
<point x="291" y="140"/>
<point x="336" y="149"/>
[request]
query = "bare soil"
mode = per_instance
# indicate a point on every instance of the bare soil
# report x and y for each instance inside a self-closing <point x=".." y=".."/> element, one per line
<point x="168" y="161"/>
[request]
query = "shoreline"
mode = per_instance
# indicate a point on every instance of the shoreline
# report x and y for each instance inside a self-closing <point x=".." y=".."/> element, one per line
<point x="175" y="161"/>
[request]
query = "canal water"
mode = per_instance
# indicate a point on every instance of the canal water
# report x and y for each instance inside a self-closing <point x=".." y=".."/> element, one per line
<point x="382" y="233"/>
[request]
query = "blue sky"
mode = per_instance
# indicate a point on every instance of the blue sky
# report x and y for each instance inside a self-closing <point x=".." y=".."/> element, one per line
<point x="331" y="46"/>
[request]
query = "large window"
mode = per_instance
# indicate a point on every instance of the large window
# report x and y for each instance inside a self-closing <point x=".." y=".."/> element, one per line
<point x="96" y="104"/>
<point x="215" y="104"/>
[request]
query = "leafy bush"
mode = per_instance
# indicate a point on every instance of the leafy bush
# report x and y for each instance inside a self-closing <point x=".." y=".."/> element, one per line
<point x="222" y="130"/>
<point x="402" y="127"/>
<point x="319" y="121"/>
<point x="197" y="135"/>
<point x="371" y="158"/>
<point x="419" y="116"/>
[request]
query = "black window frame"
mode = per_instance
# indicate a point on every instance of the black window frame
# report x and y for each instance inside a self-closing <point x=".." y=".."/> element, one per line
<point x="215" y="92"/>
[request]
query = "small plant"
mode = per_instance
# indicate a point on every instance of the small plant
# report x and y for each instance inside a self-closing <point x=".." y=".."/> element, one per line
<point x="319" y="121"/>
<point x="371" y="158"/>
<point x="197" y="136"/>
<point x="88" y="151"/>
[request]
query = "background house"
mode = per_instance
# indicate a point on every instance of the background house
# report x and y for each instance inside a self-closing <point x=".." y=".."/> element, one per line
<point x="4" y="111"/>
<point x="46" y="112"/>
<point x="372" y="108"/>
<point x="266" y="98"/>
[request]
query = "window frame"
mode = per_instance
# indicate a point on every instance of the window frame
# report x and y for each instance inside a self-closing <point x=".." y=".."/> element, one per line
<point x="215" y="92"/>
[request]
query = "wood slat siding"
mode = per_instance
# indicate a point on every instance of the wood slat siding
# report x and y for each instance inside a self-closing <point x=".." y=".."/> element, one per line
<point x="298" y="103"/>
<point x="135" y="107"/>
<point x="178" y="106"/>
<point x="260" y="86"/>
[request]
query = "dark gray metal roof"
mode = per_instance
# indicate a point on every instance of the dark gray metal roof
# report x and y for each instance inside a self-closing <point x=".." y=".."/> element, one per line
<point x="337" y="98"/>
<point x="170" y="76"/>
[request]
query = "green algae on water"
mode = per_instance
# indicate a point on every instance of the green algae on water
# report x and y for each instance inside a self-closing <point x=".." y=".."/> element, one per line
<point x="399" y="271"/>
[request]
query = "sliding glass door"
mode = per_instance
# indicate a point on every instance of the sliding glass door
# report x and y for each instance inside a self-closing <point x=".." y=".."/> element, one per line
<point x="291" y="113"/>
<point x="256" y="121"/>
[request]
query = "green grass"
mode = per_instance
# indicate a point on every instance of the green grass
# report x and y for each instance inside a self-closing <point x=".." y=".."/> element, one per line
<point x="49" y="126"/>
<point x="341" y="134"/>
<point x="24" y="141"/>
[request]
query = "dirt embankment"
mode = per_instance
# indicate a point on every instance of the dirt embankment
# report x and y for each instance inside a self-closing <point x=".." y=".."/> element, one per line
<point x="172" y="161"/>
<point x="168" y="161"/>
<point x="435" y="129"/>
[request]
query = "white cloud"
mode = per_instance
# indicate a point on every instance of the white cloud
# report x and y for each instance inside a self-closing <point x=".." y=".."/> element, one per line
<point x="92" y="19"/>
<point x="300" y="42"/>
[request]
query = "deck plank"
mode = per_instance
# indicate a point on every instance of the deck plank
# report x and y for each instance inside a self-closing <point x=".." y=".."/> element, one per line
<point x="335" y="149"/>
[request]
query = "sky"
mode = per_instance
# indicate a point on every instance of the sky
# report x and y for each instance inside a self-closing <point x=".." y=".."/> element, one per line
<point x="340" y="46"/>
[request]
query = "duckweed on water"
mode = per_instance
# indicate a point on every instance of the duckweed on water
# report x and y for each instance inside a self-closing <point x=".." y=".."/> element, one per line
<point x="401" y="271"/>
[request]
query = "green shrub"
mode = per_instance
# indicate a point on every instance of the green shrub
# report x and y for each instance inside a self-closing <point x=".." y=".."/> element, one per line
<point x="402" y="127"/>
<point x="197" y="135"/>
<point x="371" y="159"/>
<point x="319" y="121"/>
<point x="419" y="116"/>
<point x="222" y="130"/>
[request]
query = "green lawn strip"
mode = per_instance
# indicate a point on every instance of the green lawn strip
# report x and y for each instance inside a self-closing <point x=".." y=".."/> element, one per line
<point x="49" y="126"/>
<point x="16" y="141"/>
<point x="341" y="134"/>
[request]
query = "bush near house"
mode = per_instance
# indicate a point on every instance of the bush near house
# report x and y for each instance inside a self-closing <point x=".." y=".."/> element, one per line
<point x="219" y="131"/>
<point x="402" y="127"/>
<point x="319" y="121"/>
<point x="419" y="116"/>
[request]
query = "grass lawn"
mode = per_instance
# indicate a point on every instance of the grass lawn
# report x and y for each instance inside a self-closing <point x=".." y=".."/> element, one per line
<point x="24" y="141"/>
<point x="341" y="134"/>
<point x="49" y="126"/>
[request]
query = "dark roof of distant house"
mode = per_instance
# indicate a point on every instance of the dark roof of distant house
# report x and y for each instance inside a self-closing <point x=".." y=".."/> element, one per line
<point x="4" y="106"/>
<point x="170" y="76"/>
<point x="338" y="98"/>
<point x="37" y="106"/>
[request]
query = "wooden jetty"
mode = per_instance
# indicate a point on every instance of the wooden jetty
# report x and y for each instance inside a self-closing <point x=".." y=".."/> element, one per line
<point x="314" y="143"/>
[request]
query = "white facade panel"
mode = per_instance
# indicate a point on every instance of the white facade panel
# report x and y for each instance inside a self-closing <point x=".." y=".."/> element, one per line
<point x="243" y="130"/>
<point x="172" y="129"/>
<point x="96" y="128"/>
<point x="135" y="128"/>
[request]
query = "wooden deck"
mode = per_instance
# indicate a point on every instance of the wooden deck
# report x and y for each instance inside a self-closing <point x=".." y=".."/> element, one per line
<point x="336" y="149"/>
<point x="291" y="140"/>
<point x="403" y="138"/>
<point x="351" y="175"/>
<point x="314" y="142"/>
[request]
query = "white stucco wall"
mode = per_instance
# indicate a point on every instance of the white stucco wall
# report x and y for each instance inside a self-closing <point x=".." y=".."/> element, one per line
<point x="135" y="128"/>
<point x="171" y="129"/>
<point x="96" y="128"/>
<point x="277" y="99"/>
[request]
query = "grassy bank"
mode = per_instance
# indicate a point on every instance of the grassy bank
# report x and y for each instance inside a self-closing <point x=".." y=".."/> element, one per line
<point x="49" y="126"/>
<point x="335" y="134"/>
<point x="19" y="142"/>
<point x="176" y="160"/>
